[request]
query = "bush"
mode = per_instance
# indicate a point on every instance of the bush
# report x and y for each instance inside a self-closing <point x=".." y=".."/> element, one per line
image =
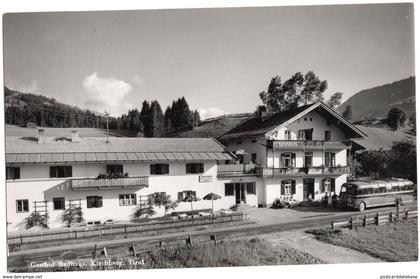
<point x="72" y="215"/>
<point x="36" y="219"/>
<point x="278" y="203"/>
<point x="142" y="212"/>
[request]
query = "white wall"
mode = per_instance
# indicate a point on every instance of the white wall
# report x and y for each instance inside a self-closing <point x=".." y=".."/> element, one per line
<point x="318" y="123"/>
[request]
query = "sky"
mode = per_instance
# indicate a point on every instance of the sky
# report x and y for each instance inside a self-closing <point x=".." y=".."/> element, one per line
<point x="219" y="59"/>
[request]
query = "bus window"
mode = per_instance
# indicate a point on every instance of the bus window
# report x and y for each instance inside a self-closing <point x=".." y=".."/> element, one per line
<point x="382" y="190"/>
<point x="395" y="188"/>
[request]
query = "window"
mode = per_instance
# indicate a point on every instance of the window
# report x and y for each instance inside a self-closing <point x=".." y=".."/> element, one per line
<point x="288" y="187"/>
<point x="327" y="135"/>
<point x="61" y="171"/>
<point x="59" y="204"/>
<point x="328" y="185"/>
<point x="195" y="168"/>
<point x="182" y="195"/>
<point x="305" y="134"/>
<point x="240" y="158"/>
<point x="12" y="173"/>
<point x="154" y="196"/>
<point x="253" y="141"/>
<point x="239" y="142"/>
<point x="159" y="169"/>
<point x="114" y="169"/>
<point x="250" y="189"/>
<point x="229" y="189"/>
<point x="128" y="199"/>
<point x="22" y="206"/>
<point x="288" y="159"/>
<point x="254" y="158"/>
<point x="308" y="159"/>
<point x="330" y="159"/>
<point x="287" y="135"/>
<point x="94" y="201"/>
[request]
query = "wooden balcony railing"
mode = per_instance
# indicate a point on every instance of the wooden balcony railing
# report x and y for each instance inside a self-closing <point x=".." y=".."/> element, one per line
<point x="311" y="171"/>
<point x="109" y="183"/>
<point x="308" y="144"/>
<point x="235" y="169"/>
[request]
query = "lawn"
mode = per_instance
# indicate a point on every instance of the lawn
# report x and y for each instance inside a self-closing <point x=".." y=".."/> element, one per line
<point x="396" y="242"/>
<point x="254" y="252"/>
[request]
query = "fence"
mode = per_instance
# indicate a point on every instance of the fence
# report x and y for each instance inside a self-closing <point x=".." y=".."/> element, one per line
<point x="106" y="230"/>
<point x="374" y="219"/>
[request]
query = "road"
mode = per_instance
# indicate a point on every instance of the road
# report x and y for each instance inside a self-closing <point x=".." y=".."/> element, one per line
<point x="84" y="250"/>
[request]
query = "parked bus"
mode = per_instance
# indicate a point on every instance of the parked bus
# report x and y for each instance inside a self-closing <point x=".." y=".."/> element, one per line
<point x="363" y="194"/>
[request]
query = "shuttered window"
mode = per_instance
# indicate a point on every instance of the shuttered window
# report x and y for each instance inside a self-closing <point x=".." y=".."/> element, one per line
<point x="182" y="195"/>
<point x="12" y="173"/>
<point x="94" y="201"/>
<point x="61" y="171"/>
<point x="288" y="187"/>
<point x="195" y="168"/>
<point x="250" y="189"/>
<point x="159" y="169"/>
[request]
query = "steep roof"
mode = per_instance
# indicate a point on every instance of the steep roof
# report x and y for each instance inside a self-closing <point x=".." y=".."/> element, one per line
<point x="90" y="149"/>
<point x="257" y="126"/>
<point x="382" y="138"/>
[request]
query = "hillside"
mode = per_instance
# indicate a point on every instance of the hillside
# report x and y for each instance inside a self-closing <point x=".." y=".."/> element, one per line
<point x="212" y="127"/>
<point x="374" y="103"/>
<point x="23" y="108"/>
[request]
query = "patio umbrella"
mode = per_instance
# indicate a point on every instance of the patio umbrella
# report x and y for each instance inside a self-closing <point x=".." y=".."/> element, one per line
<point x="191" y="198"/>
<point x="212" y="197"/>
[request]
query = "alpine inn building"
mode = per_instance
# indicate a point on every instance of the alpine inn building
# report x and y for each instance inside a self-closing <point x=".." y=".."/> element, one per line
<point x="295" y="153"/>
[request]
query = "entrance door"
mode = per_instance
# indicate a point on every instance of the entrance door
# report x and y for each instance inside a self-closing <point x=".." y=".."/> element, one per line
<point x="240" y="193"/>
<point x="308" y="188"/>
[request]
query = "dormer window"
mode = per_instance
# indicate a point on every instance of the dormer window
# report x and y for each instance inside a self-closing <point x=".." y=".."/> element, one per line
<point x="305" y="134"/>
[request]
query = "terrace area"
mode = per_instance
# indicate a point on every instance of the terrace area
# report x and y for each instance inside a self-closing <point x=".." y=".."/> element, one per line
<point x="109" y="183"/>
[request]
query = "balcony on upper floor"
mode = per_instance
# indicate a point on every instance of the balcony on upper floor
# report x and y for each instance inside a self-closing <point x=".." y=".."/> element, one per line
<point x="235" y="170"/>
<point x="109" y="183"/>
<point x="307" y="144"/>
<point x="303" y="172"/>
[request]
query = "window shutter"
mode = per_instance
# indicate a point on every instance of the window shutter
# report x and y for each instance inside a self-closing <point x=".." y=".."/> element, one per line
<point x="89" y="202"/>
<point x="69" y="171"/>
<point x="188" y="168"/>
<point x="293" y="187"/>
<point x="282" y="188"/>
<point x="333" y="185"/>
<point x="99" y="203"/>
<point x="166" y="169"/>
<point x="294" y="159"/>
<point x="201" y="168"/>
<point x="282" y="160"/>
<point x="52" y="171"/>
<point x="17" y="173"/>
<point x="194" y="193"/>
<point x="180" y="196"/>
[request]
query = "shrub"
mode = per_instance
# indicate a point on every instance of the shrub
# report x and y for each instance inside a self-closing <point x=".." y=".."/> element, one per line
<point x="36" y="219"/>
<point x="142" y="212"/>
<point x="72" y="215"/>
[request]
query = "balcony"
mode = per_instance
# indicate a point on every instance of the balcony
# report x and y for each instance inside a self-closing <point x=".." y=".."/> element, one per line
<point x="235" y="170"/>
<point x="109" y="183"/>
<point x="308" y="144"/>
<point x="302" y="172"/>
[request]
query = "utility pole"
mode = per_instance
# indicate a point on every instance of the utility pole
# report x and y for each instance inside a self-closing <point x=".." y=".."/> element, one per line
<point x="107" y="125"/>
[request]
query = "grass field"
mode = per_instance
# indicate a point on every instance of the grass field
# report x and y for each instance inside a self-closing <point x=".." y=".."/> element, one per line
<point x="396" y="242"/>
<point x="252" y="252"/>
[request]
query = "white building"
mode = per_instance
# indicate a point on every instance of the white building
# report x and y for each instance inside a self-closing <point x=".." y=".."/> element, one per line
<point x="49" y="174"/>
<point x="298" y="153"/>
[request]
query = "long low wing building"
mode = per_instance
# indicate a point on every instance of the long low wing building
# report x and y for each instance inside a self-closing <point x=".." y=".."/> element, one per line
<point x="108" y="178"/>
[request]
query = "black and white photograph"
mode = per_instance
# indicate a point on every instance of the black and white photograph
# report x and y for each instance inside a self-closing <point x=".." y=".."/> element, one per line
<point x="272" y="137"/>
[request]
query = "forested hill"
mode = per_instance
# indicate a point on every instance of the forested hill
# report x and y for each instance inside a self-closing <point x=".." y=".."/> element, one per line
<point x="24" y="108"/>
<point x="374" y="103"/>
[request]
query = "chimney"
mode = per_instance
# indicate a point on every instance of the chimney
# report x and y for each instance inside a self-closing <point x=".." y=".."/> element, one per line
<point x="75" y="136"/>
<point x="41" y="136"/>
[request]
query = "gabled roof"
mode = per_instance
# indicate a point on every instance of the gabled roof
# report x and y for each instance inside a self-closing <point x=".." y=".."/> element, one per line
<point x="257" y="127"/>
<point x="382" y="138"/>
<point x="27" y="150"/>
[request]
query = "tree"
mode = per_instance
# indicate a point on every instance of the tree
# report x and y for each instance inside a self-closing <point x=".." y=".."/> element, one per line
<point x="396" y="118"/>
<point x="36" y="219"/>
<point x="158" y="120"/>
<point x="195" y="118"/>
<point x="298" y="90"/>
<point x="403" y="160"/>
<point x="335" y="100"/>
<point x="166" y="201"/>
<point x="373" y="163"/>
<point x="146" y="120"/>
<point x="142" y="212"/>
<point x="348" y="113"/>
<point x="412" y="120"/>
